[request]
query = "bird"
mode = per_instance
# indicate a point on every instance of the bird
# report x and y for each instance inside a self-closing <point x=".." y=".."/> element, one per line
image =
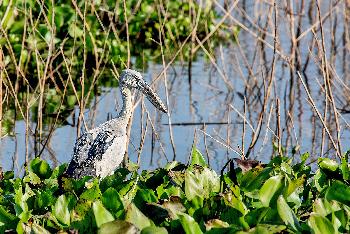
<point x="99" y="151"/>
<point x="247" y="164"/>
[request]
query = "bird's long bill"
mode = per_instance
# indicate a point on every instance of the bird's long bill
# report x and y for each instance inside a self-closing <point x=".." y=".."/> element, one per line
<point x="153" y="97"/>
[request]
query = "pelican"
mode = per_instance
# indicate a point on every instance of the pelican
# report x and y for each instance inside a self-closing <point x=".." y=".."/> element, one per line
<point x="99" y="151"/>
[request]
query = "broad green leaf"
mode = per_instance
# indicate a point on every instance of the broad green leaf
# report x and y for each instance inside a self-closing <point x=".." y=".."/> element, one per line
<point x="287" y="214"/>
<point x="32" y="178"/>
<point x="60" y="210"/>
<point x="37" y="229"/>
<point x="145" y="195"/>
<point x="324" y="207"/>
<point x="320" y="224"/>
<point x="112" y="201"/>
<point x="234" y="200"/>
<point x="7" y="219"/>
<point x="189" y="224"/>
<point x="136" y="217"/>
<point x="21" y="199"/>
<point x="197" y="158"/>
<point x="92" y="192"/>
<point x="58" y="171"/>
<point x="286" y="168"/>
<point x="171" y="165"/>
<point x="74" y="31"/>
<point x="102" y="215"/>
<point x="154" y="230"/>
<point x="320" y="180"/>
<point x="193" y="185"/>
<point x="41" y="168"/>
<point x="264" y="229"/>
<point x="175" y="207"/>
<point x="328" y="164"/>
<point x="118" y="227"/>
<point x="269" y="189"/>
<point x="295" y="184"/>
<point x="8" y="18"/>
<point x="254" y="178"/>
<point x="215" y="223"/>
<point x="201" y="183"/>
<point x="339" y="191"/>
<point x="71" y="100"/>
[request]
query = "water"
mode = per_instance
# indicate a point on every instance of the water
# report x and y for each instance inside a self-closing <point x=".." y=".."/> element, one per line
<point x="217" y="97"/>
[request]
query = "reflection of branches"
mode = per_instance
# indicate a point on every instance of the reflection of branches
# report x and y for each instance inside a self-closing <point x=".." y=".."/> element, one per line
<point x="267" y="91"/>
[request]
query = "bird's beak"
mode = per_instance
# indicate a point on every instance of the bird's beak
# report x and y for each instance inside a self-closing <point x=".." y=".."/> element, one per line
<point x="153" y="97"/>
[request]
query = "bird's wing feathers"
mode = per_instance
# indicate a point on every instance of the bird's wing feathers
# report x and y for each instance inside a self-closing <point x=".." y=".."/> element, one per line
<point x="100" y="145"/>
<point x="90" y="148"/>
<point x="80" y="152"/>
<point x="82" y="146"/>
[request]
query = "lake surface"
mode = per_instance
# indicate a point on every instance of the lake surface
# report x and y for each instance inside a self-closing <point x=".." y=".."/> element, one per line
<point x="212" y="91"/>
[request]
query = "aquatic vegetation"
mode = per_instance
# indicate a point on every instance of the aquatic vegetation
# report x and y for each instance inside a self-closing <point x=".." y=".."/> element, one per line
<point x="63" y="51"/>
<point x="64" y="31"/>
<point x="280" y="196"/>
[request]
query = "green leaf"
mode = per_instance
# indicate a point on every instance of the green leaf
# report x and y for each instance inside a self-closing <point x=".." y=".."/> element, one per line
<point x="322" y="207"/>
<point x="215" y="223"/>
<point x="286" y="214"/>
<point x="197" y="158"/>
<point x="71" y="100"/>
<point x="60" y="210"/>
<point x="74" y="31"/>
<point x="93" y="191"/>
<point x="254" y="178"/>
<point x="136" y="217"/>
<point x="154" y="230"/>
<point x="295" y="184"/>
<point x="37" y="229"/>
<point x="8" y="18"/>
<point x="269" y="189"/>
<point x="201" y="183"/>
<point x="118" y="226"/>
<point x="264" y="229"/>
<point x="328" y="164"/>
<point x="344" y="167"/>
<point x="304" y="157"/>
<point x="145" y="195"/>
<point x="102" y="215"/>
<point x="43" y="199"/>
<point x="175" y="207"/>
<point x="112" y="201"/>
<point x="193" y="185"/>
<point x="41" y="168"/>
<point x="7" y="219"/>
<point x="189" y="224"/>
<point x="320" y="224"/>
<point x="339" y="191"/>
<point x="32" y="178"/>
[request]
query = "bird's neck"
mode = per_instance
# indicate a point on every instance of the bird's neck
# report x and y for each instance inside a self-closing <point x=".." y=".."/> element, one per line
<point x="125" y="113"/>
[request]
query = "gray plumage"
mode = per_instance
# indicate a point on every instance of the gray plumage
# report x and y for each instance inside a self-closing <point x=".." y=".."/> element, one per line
<point x="100" y="151"/>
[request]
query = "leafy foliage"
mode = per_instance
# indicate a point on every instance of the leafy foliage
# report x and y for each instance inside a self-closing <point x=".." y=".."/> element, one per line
<point x="277" y="197"/>
<point x="67" y="49"/>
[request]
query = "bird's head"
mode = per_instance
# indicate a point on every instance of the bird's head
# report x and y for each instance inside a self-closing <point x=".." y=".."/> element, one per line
<point x="133" y="80"/>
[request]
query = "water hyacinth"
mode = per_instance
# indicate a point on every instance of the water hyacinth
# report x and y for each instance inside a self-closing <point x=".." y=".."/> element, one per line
<point x="180" y="198"/>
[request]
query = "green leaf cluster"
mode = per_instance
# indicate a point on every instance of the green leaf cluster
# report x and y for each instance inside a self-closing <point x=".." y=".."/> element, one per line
<point x="280" y="196"/>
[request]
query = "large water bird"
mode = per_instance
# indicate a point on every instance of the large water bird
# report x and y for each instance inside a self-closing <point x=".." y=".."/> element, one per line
<point x="99" y="151"/>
